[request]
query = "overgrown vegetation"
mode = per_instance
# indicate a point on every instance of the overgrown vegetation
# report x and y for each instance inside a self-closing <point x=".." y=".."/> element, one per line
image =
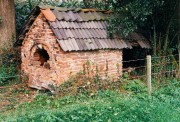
<point x="9" y="66"/>
<point x="84" y="98"/>
<point x="106" y="105"/>
<point x="88" y="82"/>
<point x="7" y="74"/>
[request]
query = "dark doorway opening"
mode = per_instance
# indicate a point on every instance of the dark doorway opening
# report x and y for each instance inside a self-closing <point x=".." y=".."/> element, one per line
<point x="42" y="56"/>
<point x="134" y="57"/>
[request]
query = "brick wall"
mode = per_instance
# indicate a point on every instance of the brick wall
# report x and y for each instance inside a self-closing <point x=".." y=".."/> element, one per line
<point x="61" y="65"/>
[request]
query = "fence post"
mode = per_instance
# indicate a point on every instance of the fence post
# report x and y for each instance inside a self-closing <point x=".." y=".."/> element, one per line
<point x="149" y="74"/>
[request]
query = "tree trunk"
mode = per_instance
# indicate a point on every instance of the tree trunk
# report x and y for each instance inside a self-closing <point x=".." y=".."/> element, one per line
<point x="7" y="27"/>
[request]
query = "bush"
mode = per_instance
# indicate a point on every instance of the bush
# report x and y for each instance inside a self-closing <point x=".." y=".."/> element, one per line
<point x="7" y="73"/>
<point x="86" y="85"/>
<point x="9" y="61"/>
<point x="135" y="86"/>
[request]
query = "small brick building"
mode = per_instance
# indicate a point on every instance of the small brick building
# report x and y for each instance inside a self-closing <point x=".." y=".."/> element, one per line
<point x="57" y="43"/>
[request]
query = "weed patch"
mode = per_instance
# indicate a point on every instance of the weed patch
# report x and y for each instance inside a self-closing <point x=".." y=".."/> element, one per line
<point x="106" y="105"/>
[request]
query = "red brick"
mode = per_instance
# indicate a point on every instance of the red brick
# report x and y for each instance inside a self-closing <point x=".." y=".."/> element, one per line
<point x="66" y="63"/>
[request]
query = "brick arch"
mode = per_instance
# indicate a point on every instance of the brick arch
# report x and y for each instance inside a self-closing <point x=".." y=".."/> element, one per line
<point x="39" y="55"/>
<point x="40" y="45"/>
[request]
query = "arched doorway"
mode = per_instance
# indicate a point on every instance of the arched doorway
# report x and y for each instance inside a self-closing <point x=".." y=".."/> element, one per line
<point x="40" y="56"/>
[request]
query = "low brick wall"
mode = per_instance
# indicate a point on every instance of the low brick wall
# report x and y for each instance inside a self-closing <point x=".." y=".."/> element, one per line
<point x="58" y="66"/>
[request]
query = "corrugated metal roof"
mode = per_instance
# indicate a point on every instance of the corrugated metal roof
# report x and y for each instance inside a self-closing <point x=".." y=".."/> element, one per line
<point x="78" y="30"/>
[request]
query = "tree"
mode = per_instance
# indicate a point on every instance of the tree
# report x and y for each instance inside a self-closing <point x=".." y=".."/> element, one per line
<point x="7" y="25"/>
<point x="156" y="19"/>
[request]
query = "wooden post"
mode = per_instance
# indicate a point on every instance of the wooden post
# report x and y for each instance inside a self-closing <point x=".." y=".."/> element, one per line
<point x="149" y="74"/>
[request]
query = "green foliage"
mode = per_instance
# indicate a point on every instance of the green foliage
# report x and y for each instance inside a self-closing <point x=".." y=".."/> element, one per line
<point x="135" y="86"/>
<point x="71" y="4"/>
<point x="147" y="15"/>
<point x="8" y="67"/>
<point x="86" y="85"/>
<point x="23" y="9"/>
<point x="163" y="105"/>
<point x="157" y="18"/>
<point x="7" y="74"/>
<point x="164" y="68"/>
<point x="77" y="103"/>
<point x="128" y="15"/>
<point x="164" y="44"/>
<point x="87" y="82"/>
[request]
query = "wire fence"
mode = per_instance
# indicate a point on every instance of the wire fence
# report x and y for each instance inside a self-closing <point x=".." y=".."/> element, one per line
<point x="162" y="69"/>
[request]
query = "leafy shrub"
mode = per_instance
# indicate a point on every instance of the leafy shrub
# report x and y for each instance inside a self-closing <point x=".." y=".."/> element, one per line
<point x="7" y="74"/>
<point x="9" y="61"/>
<point x="23" y="9"/>
<point x="86" y="85"/>
<point x="135" y="86"/>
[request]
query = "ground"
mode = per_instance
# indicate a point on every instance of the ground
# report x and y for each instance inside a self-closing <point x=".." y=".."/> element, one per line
<point x="14" y="94"/>
<point x="108" y="105"/>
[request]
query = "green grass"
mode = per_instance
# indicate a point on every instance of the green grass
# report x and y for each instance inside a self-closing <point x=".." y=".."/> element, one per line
<point x="105" y="106"/>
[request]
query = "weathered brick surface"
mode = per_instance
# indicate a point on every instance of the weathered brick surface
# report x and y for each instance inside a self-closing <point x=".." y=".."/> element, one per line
<point x="61" y="65"/>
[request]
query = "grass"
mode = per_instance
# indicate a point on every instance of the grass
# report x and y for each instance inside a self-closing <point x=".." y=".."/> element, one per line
<point x="105" y="106"/>
<point x="14" y="93"/>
